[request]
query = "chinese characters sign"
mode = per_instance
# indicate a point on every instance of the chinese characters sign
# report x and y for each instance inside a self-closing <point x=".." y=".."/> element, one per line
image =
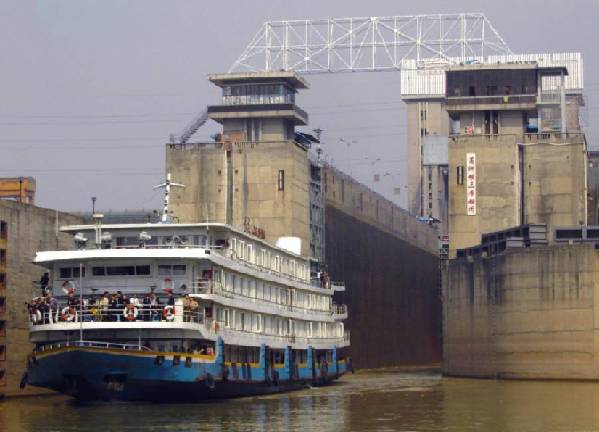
<point x="471" y="184"/>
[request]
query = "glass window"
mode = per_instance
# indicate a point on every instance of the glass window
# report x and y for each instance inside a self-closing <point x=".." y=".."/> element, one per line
<point x="76" y="272"/>
<point x="127" y="241"/>
<point x="226" y="317"/>
<point x="142" y="270"/>
<point x="152" y="242"/>
<point x="70" y="272"/>
<point x="98" y="271"/>
<point x="164" y="270"/>
<point x="120" y="270"/>
<point x="179" y="270"/>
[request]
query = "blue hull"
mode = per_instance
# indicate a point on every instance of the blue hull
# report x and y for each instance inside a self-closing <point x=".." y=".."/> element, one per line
<point x="96" y="373"/>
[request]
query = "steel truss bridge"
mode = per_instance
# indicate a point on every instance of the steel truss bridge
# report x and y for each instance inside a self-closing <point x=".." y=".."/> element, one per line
<point x="368" y="43"/>
<point x="363" y="44"/>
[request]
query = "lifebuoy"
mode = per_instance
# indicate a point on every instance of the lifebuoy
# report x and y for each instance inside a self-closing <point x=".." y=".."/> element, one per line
<point x="68" y="287"/>
<point x="130" y="312"/>
<point x="168" y="313"/>
<point x="69" y="314"/>
<point x="167" y="284"/>
<point x="36" y="316"/>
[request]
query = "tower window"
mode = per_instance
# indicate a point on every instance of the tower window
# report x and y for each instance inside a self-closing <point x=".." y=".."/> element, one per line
<point x="281" y="180"/>
<point x="460" y="174"/>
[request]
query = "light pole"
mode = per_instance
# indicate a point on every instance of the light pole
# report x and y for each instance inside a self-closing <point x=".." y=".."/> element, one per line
<point x="93" y="205"/>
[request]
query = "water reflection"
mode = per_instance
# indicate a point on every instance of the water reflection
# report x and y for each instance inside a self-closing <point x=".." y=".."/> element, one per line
<point x="373" y="401"/>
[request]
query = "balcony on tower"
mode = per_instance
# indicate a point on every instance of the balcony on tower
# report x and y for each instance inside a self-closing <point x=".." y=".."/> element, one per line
<point x="515" y="98"/>
<point x="258" y="106"/>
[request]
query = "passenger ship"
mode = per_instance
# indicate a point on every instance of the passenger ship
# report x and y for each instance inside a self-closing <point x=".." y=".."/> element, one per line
<point x="236" y="316"/>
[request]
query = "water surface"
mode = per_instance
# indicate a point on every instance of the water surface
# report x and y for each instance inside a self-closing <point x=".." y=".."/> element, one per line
<point x="389" y="400"/>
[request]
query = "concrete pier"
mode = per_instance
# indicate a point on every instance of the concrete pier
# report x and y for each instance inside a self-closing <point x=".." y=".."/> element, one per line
<point x="527" y="313"/>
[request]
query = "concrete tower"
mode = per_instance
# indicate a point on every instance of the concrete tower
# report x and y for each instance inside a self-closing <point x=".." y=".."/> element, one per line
<point x="255" y="176"/>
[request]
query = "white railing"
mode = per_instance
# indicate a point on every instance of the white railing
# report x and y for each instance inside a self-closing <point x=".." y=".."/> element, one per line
<point x="231" y="254"/>
<point x="74" y="314"/>
<point x="339" y="309"/>
<point x="92" y="344"/>
<point x="218" y="288"/>
<point x="337" y="286"/>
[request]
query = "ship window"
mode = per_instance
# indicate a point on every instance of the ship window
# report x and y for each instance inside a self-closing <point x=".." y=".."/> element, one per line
<point x="142" y="270"/>
<point x="199" y="240"/>
<point x="120" y="270"/>
<point x="176" y="270"/>
<point x="164" y="270"/>
<point x="70" y="272"/>
<point x="99" y="271"/>
<point x="226" y="317"/>
<point x="122" y="242"/>
<point x="277" y="264"/>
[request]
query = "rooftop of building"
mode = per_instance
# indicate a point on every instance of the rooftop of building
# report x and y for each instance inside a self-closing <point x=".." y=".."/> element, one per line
<point x="289" y="77"/>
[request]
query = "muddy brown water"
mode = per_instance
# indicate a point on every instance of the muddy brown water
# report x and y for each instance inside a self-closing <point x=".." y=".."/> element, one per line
<point x="386" y="400"/>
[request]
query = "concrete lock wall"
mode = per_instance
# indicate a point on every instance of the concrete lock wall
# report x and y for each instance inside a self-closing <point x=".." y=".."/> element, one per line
<point x="360" y="202"/>
<point x="529" y="313"/>
<point x="30" y="229"/>
<point x="388" y="261"/>
<point x="392" y="293"/>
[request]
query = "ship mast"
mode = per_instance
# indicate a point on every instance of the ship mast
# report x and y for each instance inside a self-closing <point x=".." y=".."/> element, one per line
<point x="167" y="190"/>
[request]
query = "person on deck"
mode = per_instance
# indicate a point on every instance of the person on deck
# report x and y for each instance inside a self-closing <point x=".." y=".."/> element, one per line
<point x="44" y="282"/>
<point x="155" y="306"/>
<point x="104" y="303"/>
<point x="170" y="301"/>
<point x="147" y="304"/>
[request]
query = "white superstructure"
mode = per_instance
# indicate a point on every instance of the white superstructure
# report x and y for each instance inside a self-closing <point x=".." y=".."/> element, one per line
<point x="246" y="291"/>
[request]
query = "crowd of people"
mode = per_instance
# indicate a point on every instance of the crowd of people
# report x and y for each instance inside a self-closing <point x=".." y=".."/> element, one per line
<point x="110" y="307"/>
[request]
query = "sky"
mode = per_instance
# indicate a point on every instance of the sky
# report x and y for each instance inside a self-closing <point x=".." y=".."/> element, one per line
<point x="91" y="90"/>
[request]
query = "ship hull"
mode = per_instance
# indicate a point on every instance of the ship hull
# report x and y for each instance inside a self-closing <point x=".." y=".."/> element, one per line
<point x="103" y="374"/>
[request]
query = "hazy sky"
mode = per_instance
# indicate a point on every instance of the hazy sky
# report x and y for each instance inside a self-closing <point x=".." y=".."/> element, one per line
<point x="91" y="90"/>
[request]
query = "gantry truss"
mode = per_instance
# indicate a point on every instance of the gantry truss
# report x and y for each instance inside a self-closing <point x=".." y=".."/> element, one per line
<point x="368" y="43"/>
